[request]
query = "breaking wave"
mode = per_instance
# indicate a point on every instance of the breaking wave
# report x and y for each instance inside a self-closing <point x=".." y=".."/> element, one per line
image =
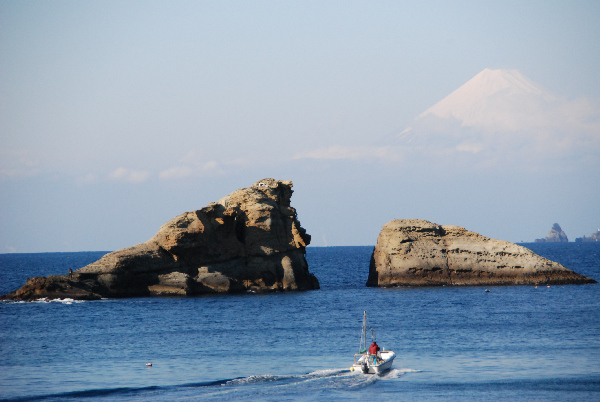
<point x="45" y="300"/>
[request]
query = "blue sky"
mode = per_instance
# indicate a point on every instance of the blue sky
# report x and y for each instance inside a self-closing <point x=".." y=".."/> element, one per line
<point x="116" y="116"/>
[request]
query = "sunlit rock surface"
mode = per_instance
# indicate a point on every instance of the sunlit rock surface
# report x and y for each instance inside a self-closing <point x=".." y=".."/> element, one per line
<point x="250" y="240"/>
<point x="415" y="252"/>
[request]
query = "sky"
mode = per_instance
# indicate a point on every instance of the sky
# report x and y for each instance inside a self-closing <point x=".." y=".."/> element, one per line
<point x="116" y="116"/>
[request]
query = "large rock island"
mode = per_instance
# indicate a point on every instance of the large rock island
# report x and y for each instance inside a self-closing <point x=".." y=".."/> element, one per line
<point x="250" y="240"/>
<point x="415" y="252"/>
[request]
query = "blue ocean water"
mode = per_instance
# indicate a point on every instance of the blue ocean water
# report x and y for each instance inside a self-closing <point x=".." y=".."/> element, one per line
<point x="511" y="343"/>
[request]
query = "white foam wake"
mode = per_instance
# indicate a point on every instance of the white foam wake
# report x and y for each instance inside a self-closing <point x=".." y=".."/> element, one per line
<point x="397" y="373"/>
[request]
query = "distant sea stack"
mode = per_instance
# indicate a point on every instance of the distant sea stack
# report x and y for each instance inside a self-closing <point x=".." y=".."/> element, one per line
<point x="415" y="252"/>
<point x="593" y="237"/>
<point x="250" y="240"/>
<point x="555" y="235"/>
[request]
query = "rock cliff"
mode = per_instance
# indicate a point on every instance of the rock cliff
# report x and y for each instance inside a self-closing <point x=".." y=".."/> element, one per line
<point x="555" y="235"/>
<point x="250" y="240"/>
<point x="414" y="252"/>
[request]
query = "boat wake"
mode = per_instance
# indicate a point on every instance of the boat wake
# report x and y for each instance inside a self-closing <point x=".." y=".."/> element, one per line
<point x="273" y="378"/>
<point x="393" y="374"/>
<point x="327" y="384"/>
<point x="323" y="383"/>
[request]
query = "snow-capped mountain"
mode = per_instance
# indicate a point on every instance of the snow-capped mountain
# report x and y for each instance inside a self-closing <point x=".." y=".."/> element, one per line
<point x="494" y="99"/>
<point x="502" y="113"/>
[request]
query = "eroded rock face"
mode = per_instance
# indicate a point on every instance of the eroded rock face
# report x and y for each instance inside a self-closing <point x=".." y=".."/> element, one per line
<point x="250" y="240"/>
<point x="415" y="252"/>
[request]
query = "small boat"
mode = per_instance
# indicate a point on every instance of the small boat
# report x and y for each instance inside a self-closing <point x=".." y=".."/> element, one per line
<point x="368" y="363"/>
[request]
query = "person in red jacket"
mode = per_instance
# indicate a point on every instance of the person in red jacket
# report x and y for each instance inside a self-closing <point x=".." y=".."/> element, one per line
<point x="373" y="349"/>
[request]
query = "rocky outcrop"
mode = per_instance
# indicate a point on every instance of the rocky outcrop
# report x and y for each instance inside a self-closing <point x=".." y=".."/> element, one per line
<point x="592" y="238"/>
<point x="555" y="235"/>
<point x="250" y="240"/>
<point x="415" y="252"/>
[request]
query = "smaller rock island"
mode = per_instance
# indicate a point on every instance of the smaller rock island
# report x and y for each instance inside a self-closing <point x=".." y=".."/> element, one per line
<point x="416" y="252"/>
<point x="250" y="240"/>
<point x="592" y="238"/>
<point x="555" y="235"/>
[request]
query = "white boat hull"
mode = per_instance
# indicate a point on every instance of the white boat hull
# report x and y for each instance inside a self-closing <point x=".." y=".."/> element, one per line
<point x="366" y="364"/>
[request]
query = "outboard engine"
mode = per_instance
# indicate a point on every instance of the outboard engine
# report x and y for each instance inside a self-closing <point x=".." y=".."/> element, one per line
<point x="365" y="368"/>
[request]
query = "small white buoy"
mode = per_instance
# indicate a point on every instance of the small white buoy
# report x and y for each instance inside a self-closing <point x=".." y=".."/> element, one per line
<point x="149" y="364"/>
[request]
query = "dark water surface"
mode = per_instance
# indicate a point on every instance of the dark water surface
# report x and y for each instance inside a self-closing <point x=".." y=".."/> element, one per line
<point x="512" y="343"/>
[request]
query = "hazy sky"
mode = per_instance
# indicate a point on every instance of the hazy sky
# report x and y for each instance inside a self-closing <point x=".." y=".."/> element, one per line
<point x="116" y="116"/>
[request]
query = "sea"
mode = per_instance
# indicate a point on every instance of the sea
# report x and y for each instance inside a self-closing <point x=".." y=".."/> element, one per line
<point x="517" y="343"/>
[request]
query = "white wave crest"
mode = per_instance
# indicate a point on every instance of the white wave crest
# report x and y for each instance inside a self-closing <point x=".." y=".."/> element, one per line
<point x="63" y="301"/>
